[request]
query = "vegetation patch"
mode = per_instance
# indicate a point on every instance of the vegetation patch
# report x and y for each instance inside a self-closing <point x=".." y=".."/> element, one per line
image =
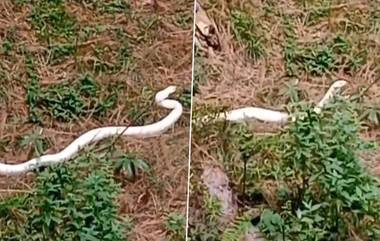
<point x="67" y="203"/>
<point x="324" y="57"/>
<point x="311" y="177"/>
<point x="247" y="31"/>
<point x="68" y="101"/>
<point x="51" y="20"/>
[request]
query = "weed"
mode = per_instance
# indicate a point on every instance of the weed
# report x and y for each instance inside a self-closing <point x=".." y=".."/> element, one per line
<point x="200" y="73"/>
<point x="107" y="7"/>
<point x="68" y="203"/>
<point x="131" y="165"/>
<point x="210" y="230"/>
<point x="175" y="224"/>
<point x="139" y="112"/>
<point x="316" y="11"/>
<point x="58" y="53"/>
<point x="321" y="58"/>
<point x="67" y="101"/>
<point x="330" y="193"/>
<point x="239" y="227"/>
<point x="183" y="19"/>
<point x="36" y="140"/>
<point x="51" y="20"/>
<point x="371" y="114"/>
<point x="246" y="31"/>
<point x="146" y="29"/>
<point x="185" y="98"/>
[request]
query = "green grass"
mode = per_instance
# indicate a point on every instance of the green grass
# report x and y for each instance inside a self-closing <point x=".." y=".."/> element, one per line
<point x="108" y="6"/>
<point x="138" y="112"/>
<point x="69" y="101"/>
<point x="51" y="20"/>
<point x="247" y="32"/>
<point x="324" y="57"/>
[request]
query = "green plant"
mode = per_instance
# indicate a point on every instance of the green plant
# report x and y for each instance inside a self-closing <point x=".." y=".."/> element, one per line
<point x="36" y="140"/>
<point x="131" y="166"/>
<point x="246" y="31"/>
<point x="320" y="58"/>
<point x="68" y="101"/>
<point x="176" y="224"/>
<point x="67" y="203"/>
<point x="238" y="228"/>
<point x="209" y="230"/>
<point x="331" y="196"/>
<point x="185" y="98"/>
<point x="139" y="111"/>
<point x="108" y="7"/>
<point x="50" y="19"/>
<point x="372" y="114"/>
<point x="316" y="10"/>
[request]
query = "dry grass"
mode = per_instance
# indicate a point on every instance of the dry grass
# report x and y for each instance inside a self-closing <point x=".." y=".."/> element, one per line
<point x="232" y="78"/>
<point x="158" y="37"/>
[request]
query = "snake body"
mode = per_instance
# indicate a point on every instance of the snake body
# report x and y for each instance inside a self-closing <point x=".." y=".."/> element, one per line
<point x="98" y="134"/>
<point x="267" y="115"/>
<point x="155" y="129"/>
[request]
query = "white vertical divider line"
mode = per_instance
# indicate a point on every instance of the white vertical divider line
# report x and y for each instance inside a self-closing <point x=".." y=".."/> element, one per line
<point x="190" y="126"/>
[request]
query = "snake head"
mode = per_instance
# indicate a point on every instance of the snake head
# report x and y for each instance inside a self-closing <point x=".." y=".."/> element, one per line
<point x="338" y="85"/>
<point x="164" y="94"/>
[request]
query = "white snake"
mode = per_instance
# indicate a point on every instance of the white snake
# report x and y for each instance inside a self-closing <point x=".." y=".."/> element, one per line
<point x="98" y="134"/>
<point x="266" y="115"/>
<point x="160" y="127"/>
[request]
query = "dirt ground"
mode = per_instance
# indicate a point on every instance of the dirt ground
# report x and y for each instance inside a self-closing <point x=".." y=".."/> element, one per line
<point x="266" y="46"/>
<point x="131" y="48"/>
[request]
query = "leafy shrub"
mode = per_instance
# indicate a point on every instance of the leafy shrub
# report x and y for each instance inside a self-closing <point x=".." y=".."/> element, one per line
<point x="322" y="191"/>
<point x="67" y="203"/>
<point x="176" y="225"/>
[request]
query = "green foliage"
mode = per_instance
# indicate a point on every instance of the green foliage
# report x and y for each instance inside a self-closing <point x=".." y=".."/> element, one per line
<point x="176" y="225"/>
<point x="139" y="110"/>
<point x="210" y="229"/>
<point x="371" y="113"/>
<point x="185" y="98"/>
<point x="272" y="224"/>
<point x="131" y="165"/>
<point x="36" y="140"/>
<point x="68" y="101"/>
<point x="316" y="10"/>
<point x="240" y="226"/>
<point x="330" y="196"/>
<point x="50" y="19"/>
<point x="246" y="31"/>
<point x="107" y="6"/>
<point x="321" y="58"/>
<point x="67" y="203"/>
<point x="59" y="52"/>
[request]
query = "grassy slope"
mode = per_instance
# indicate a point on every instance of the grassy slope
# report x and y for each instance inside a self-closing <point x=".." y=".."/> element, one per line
<point x="129" y="51"/>
<point x="268" y="46"/>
